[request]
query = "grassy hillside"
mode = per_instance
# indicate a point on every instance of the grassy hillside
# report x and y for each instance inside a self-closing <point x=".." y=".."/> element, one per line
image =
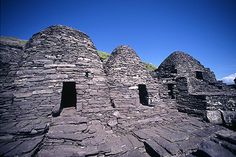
<point x="149" y="66"/>
<point x="13" y="39"/>
<point x="104" y="55"/>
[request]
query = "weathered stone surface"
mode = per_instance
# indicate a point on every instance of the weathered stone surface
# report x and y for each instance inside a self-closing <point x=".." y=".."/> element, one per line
<point x="171" y="135"/>
<point x="76" y="119"/>
<point x="25" y="146"/>
<point x="154" y="149"/>
<point x="135" y="142"/>
<point x="214" y="117"/>
<point x="229" y="117"/>
<point x="69" y="128"/>
<point x="112" y="122"/>
<point x="211" y="149"/>
<point x="194" y="87"/>
<point x="117" y="114"/>
<point x="56" y="110"/>
<point x="62" y="151"/>
<point x="172" y="148"/>
<point x="72" y="136"/>
<point x="6" y="138"/>
<point x="141" y="135"/>
<point x="227" y="135"/>
<point x="9" y="146"/>
<point x="133" y="153"/>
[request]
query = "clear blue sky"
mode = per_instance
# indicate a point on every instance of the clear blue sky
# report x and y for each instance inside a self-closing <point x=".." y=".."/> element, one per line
<point x="206" y="29"/>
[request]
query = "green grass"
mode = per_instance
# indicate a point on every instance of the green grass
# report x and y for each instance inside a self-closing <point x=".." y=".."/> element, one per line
<point x="23" y="42"/>
<point x="104" y="55"/>
<point x="149" y="66"/>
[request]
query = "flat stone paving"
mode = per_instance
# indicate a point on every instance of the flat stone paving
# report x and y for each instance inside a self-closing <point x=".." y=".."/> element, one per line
<point x="137" y="132"/>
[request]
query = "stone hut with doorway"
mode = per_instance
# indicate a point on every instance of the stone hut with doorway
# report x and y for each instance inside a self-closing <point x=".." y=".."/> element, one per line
<point x="62" y="69"/>
<point x="196" y="89"/>
<point x="130" y="83"/>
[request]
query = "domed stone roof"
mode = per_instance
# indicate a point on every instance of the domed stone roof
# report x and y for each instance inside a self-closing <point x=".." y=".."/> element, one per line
<point x="181" y="63"/>
<point x="123" y="54"/>
<point x="179" y="57"/>
<point x="125" y="67"/>
<point x="59" y="35"/>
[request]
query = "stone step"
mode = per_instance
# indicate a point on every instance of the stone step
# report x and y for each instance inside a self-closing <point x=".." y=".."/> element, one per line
<point x="227" y="135"/>
<point x="212" y="149"/>
<point x="153" y="149"/>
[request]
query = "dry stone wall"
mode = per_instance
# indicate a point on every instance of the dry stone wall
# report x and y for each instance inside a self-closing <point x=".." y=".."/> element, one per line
<point x="195" y="88"/>
<point x="180" y="64"/>
<point x="61" y="54"/>
<point x="11" y="53"/>
<point x="125" y="72"/>
<point x="52" y="57"/>
<point x="217" y="108"/>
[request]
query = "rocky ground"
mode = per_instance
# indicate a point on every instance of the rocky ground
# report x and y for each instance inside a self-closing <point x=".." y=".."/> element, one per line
<point x="142" y="131"/>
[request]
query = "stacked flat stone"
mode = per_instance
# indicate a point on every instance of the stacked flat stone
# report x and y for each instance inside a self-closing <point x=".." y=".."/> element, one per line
<point x="125" y="72"/>
<point x="185" y="65"/>
<point x="61" y="54"/>
<point x="11" y="52"/>
<point x="200" y="95"/>
<point x="55" y="55"/>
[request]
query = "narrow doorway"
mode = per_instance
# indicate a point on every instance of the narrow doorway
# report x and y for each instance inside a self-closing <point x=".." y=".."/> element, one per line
<point x="143" y="94"/>
<point x="171" y="91"/>
<point x="68" y="97"/>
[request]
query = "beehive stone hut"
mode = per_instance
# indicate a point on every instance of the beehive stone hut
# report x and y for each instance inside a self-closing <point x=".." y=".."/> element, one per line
<point x="63" y="67"/>
<point x="60" y="69"/>
<point x="195" y="88"/>
<point x="129" y="82"/>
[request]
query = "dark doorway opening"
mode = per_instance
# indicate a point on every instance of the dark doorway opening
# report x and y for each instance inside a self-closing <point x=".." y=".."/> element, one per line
<point x="171" y="91"/>
<point x="199" y="75"/>
<point x="143" y="94"/>
<point x="68" y="97"/>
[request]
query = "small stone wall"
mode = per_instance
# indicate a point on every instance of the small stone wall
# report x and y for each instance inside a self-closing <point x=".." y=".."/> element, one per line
<point x="192" y="104"/>
<point x="223" y="102"/>
<point x="214" y="108"/>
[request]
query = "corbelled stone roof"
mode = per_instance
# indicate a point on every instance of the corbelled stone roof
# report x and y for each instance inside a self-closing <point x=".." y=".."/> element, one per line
<point x="183" y="64"/>
<point x="125" y="67"/>
<point x="125" y="53"/>
<point x="60" y="35"/>
<point x="180" y="58"/>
